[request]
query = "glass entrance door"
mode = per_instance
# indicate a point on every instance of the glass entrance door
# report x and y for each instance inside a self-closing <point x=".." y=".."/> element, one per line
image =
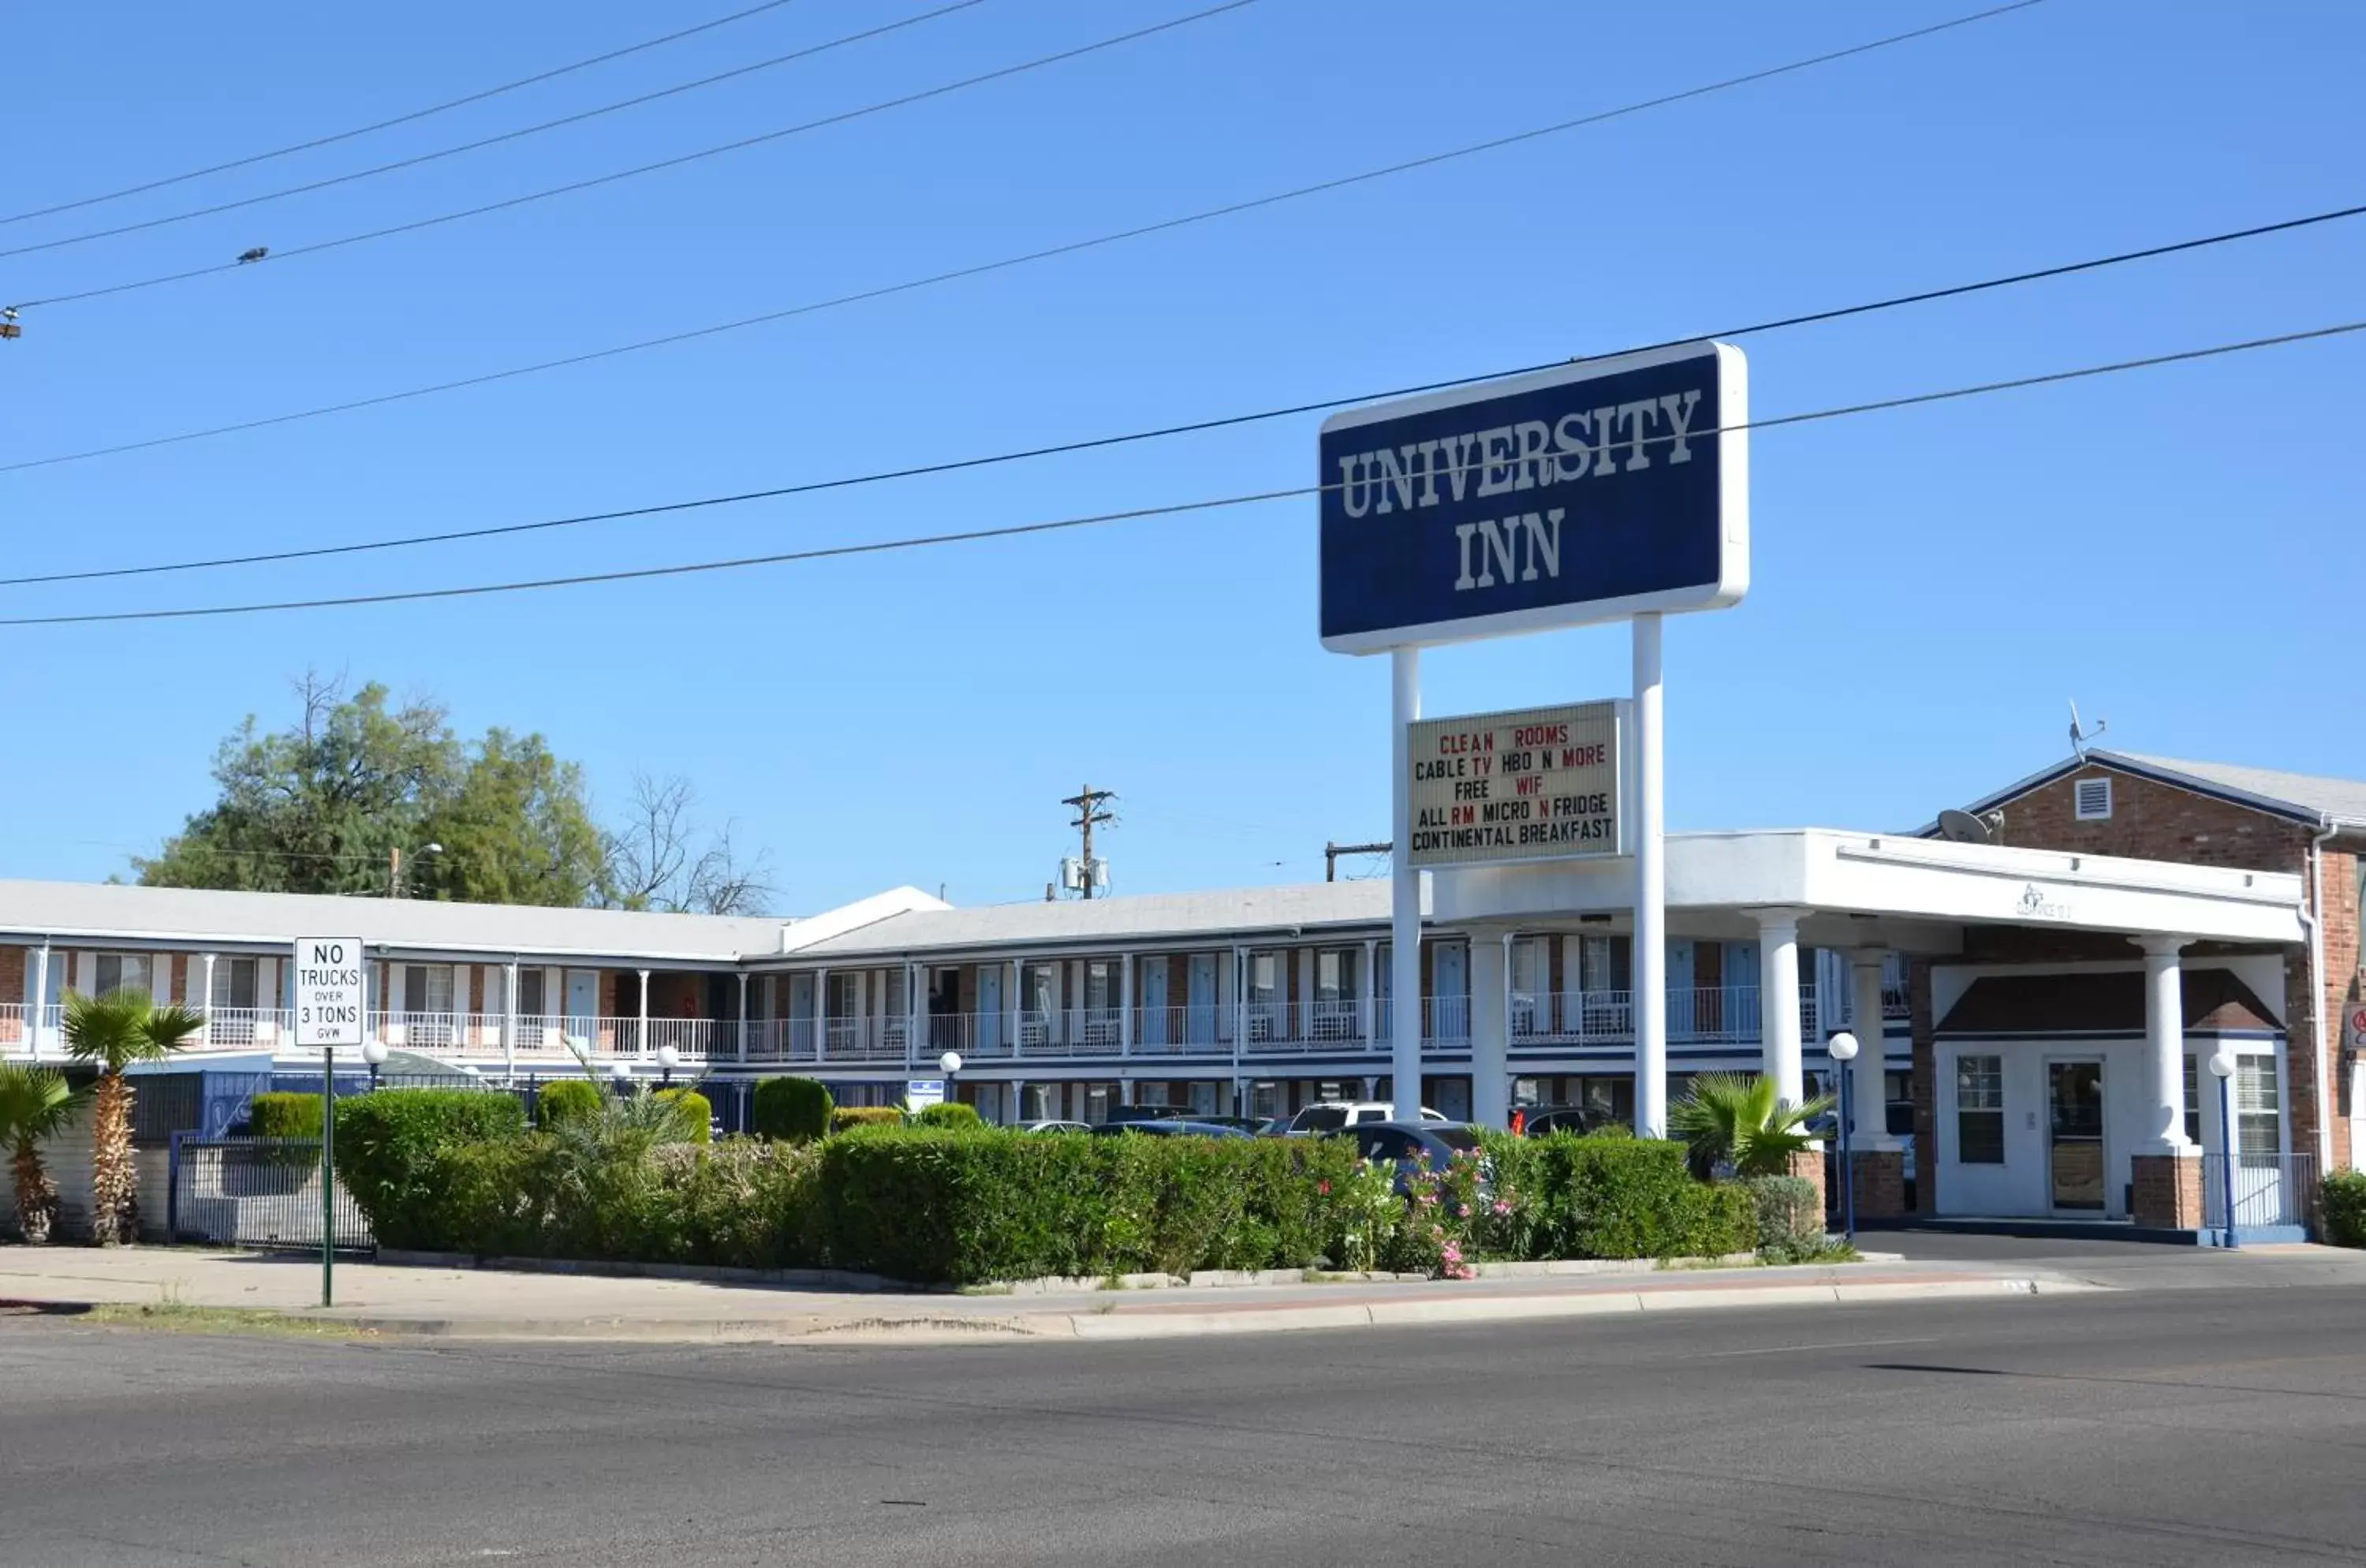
<point x="2074" y="1098"/>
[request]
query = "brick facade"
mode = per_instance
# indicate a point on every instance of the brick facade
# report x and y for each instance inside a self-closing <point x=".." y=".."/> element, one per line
<point x="2168" y="1192"/>
<point x="2152" y="820"/>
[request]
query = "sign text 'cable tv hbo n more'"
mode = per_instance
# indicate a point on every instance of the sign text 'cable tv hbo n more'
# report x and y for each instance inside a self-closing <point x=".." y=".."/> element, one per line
<point x="1537" y="783"/>
<point x="1590" y="493"/>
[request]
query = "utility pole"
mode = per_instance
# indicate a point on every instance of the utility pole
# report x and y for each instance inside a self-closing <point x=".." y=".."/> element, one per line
<point x="1330" y="853"/>
<point x="394" y="873"/>
<point x="1089" y="814"/>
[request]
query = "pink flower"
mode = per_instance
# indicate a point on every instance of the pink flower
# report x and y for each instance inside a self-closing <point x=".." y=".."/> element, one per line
<point x="1323" y="1188"/>
<point x="1501" y="1207"/>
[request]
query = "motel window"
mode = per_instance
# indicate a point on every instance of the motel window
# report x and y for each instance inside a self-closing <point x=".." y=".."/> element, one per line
<point x="122" y="972"/>
<point x="1339" y="975"/>
<point x="1898" y="1103"/>
<point x="1265" y="976"/>
<point x="1980" y="1110"/>
<point x="2257" y="1106"/>
<point x="531" y="1002"/>
<point x="233" y="983"/>
<point x="2193" y="1103"/>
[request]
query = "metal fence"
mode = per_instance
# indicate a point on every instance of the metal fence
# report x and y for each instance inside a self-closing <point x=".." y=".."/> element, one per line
<point x="261" y="1192"/>
<point x="2272" y="1191"/>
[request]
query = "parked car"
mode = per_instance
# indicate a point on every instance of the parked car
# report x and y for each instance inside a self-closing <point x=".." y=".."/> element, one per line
<point x="1055" y="1127"/>
<point x="1407" y="1143"/>
<point x="1169" y="1130"/>
<point x="1130" y="1113"/>
<point x="1331" y="1115"/>
<point x="1544" y="1119"/>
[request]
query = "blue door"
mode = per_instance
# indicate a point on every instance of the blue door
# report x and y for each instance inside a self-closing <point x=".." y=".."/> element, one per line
<point x="1202" y="982"/>
<point x="582" y="1008"/>
<point x="989" y="1009"/>
<point x="1152" y="1029"/>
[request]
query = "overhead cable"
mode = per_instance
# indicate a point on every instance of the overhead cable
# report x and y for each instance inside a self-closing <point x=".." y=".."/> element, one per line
<point x="1138" y="514"/>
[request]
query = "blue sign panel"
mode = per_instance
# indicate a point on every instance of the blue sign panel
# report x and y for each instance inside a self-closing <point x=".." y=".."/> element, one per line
<point x="1589" y="492"/>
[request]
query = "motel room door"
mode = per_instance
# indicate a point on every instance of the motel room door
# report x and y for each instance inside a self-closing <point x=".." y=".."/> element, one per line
<point x="2075" y="1163"/>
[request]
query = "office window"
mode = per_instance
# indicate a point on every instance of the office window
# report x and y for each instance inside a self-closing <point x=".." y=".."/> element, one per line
<point x="122" y="972"/>
<point x="1980" y="1110"/>
<point x="2193" y="1102"/>
<point x="2257" y="1106"/>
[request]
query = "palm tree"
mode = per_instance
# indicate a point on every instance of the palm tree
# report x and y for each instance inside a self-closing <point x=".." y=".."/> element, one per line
<point x="112" y="1031"/>
<point x="35" y="1103"/>
<point x="1728" y="1120"/>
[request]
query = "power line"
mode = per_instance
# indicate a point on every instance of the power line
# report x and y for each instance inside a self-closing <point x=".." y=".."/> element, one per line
<point x="1190" y="428"/>
<point x="476" y="97"/>
<point x="1005" y="263"/>
<point x="1172" y="509"/>
<point x="506" y="203"/>
<point x="440" y="154"/>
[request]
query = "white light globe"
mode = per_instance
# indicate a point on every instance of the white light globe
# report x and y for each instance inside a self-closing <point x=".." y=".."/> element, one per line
<point x="620" y="1071"/>
<point x="668" y="1057"/>
<point x="374" y="1052"/>
<point x="2222" y="1064"/>
<point x="1843" y="1047"/>
<point x="949" y="1063"/>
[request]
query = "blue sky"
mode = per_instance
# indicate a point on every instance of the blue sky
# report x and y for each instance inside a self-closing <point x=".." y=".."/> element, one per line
<point x="1930" y="586"/>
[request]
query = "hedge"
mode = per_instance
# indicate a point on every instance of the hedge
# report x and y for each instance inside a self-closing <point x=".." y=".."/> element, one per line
<point x="1617" y="1197"/>
<point x="847" y="1117"/>
<point x="388" y="1141"/>
<point x="697" y="1112"/>
<point x="2343" y="1198"/>
<point x="965" y="1207"/>
<point x="794" y="1110"/>
<point x="1790" y="1217"/>
<point x="949" y="1113"/>
<point x="569" y="1099"/>
<point x="275" y="1115"/>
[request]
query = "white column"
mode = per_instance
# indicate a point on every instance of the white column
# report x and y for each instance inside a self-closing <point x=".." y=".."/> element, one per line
<point x="510" y="1018"/>
<point x="1125" y="1005"/>
<point x="1651" y="964"/>
<point x="821" y="1014"/>
<point x="41" y="997"/>
<point x="1018" y="1015"/>
<point x="1367" y="1019"/>
<point x="1490" y="1071"/>
<point x="1868" y="1093"/>
<point x="641" y="1041"/>
<point x="2163" y="1132"/>
<point x="1778" y="1001"/>
<point x="1404" y="908"/>
<point x="1240" y="1006"/>
<point x="205" y="997"/>
<point x="742" y="1051"/>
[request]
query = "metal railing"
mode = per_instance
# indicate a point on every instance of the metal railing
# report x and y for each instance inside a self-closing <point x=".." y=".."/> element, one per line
<point x="2271" y="1191"/>
<point x="261" y="1192"/>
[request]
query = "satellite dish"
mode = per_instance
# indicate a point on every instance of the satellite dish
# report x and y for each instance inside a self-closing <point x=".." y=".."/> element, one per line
<point x="1963" y="828"/>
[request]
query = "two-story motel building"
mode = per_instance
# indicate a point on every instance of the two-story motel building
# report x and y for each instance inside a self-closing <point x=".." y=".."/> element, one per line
<point x="2044" y="1005"/>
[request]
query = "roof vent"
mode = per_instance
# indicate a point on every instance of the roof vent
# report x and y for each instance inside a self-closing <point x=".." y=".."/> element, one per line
<point x="2091" y="800"/>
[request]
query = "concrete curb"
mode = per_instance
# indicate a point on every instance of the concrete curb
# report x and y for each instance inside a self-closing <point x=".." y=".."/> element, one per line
<point x="940" y="1328"/>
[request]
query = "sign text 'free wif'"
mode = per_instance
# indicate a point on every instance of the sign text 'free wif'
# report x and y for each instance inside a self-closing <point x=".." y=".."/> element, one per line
<point x="1590" y="493"/>
<point x="329" y="990"/>
<point x="1540" y="783"/>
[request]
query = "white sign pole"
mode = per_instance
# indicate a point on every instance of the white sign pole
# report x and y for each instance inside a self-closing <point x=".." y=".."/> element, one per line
<point x="1404" y="911"/>
<point x="1650" y="969"/>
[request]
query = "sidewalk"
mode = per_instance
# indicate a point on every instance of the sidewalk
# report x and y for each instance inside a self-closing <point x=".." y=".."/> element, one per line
<point x="485" y="1303"/>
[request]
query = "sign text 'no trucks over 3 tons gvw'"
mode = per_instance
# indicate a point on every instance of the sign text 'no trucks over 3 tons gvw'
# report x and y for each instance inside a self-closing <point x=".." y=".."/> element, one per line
<point x="1589" y="492"/>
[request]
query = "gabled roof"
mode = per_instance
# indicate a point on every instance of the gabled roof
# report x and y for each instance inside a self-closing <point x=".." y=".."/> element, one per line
<point x="2302" y="797"/>
<point x="2215" y="1001"/>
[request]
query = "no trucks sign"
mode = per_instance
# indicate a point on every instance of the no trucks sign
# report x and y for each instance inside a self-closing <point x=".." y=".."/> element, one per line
<point x="328" y="990"/>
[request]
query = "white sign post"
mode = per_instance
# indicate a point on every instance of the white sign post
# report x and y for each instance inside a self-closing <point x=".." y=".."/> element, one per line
<point x="329" y="1013"/>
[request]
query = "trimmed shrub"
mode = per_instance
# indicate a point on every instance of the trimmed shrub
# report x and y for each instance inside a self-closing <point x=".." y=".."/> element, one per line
<point x="568" y="1100"/>
<point x="2343" y="1201"/>
<point x="792" y="1110"/>
<point x="1615" y="1197"/>
<point x="697" y="1112"/>
<point x="386" y="1145"/>
<point x="949" y="1113"/>
<point x="273" y="1115"/>
<point x="846" y="1118"/>
<point x="1790" y="1217"/>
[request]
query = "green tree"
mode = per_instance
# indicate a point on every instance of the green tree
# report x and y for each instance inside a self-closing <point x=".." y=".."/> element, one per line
<point x="319" y="807"/>
<point x="112" y="1033"/>
<point x="1729" y="1120"/>
<point x="35" y="1103"/>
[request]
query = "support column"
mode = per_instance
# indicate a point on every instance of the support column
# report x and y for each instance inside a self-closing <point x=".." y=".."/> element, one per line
<point x="641" y="1037"/>
<point x="1240" y="1006"/>
<point x="1490" y="1032"/>
<point x="41" y="997"/>
<point x="2166" y="1168"/>
<point x="1368" y="1022"/>
<point x="1878" y="1157"/>
<point x="821" y="1014"/>
<point x="1125" y="1005"/>
<point x="1778" y="1002"/>
<point x="1651" y="959"/>
<point x="742" y="1049"/>
<point x="1019" y="1016"/>
<point x="1404" y="904"/>
<point x="205" y="998"/>
<point x="510" y="1018"/>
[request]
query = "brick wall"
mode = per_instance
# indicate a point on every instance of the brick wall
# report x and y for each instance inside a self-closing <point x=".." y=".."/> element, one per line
<point x="2152" y="820"/>
<point x="14" y="963"/>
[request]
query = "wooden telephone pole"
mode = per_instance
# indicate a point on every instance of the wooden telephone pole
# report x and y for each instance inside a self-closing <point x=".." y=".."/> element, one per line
<point x="1089" y="802"/>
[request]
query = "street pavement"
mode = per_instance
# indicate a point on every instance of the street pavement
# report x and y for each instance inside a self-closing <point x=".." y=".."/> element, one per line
<point x="2222" y="1425"/>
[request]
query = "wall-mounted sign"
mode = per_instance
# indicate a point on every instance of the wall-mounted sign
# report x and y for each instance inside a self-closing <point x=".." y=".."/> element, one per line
<point x="1591" y="492"/>
<point x="1540" y="783"/>
<point x="921" y="1093"/>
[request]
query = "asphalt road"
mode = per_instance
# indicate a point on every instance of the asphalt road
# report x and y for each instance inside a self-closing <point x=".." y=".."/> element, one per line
<point x="2225" y="1425"/>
